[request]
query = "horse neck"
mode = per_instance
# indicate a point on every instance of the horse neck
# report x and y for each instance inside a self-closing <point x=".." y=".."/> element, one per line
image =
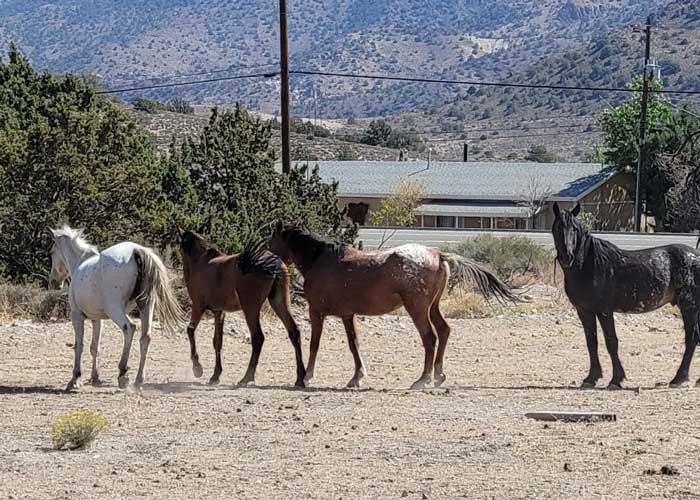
<point x="303" y="251"/>
<point x="74" y="254"/>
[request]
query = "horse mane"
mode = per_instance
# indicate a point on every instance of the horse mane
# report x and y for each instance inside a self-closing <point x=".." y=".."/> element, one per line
<point x="313" y="245"/>
<point x="603" y="251"/>
<point x="255" y="259"/>
<point x="76" y="236"/>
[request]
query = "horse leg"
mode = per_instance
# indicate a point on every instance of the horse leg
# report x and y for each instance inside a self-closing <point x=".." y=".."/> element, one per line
<point x="351" y="331"/>
<point x="419" y="313"/>
<point x="127" y="326"/>
<point x="607" y="323"/>
<point x="195" y="318"/>
<point x="595" y="372"/>
<point x="690" y="324"/>
<point x="279" y="301"/>
<point x="78" y="320"/>
<point x="146" y="314"/>
<point x="257" y="339"/>
<point x="218" y="344"/>
<point x="443" y="332"/>
<point x="95" y="351"/>
<point x="316" y="320"/>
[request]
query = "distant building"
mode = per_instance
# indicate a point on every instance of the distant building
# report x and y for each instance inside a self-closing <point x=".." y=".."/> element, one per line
<point x="486" y="195"/>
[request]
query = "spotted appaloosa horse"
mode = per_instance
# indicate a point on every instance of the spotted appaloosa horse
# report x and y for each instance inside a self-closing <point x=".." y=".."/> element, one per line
<point x="344" y="282"/>
<point x="601" y="279"/>
<point x="223" y="283"/>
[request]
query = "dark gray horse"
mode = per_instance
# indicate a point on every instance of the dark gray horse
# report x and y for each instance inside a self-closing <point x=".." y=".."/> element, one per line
<point x="601" y="279"/>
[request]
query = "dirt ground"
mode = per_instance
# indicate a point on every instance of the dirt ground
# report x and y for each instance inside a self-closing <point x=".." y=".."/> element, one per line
<point x="180" y="439"/>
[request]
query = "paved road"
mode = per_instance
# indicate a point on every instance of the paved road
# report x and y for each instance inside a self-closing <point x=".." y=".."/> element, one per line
<point x="371" y="237"/>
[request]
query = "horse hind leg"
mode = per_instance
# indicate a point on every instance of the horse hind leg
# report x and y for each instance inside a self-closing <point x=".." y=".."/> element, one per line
<point x="279" y="301"/>
<point x="95" y="352"/>
<point x="443" y="333"/>
<point x="195" y="318"/>
<point x="127" y="326"/>
<point x="689" y="311"/>
<point x="146" y="314"/>
<point x="420" y="314"/>
<point x="360" y="371"/>
<point x="78" y="320"/>
<point x="257" y="339"/>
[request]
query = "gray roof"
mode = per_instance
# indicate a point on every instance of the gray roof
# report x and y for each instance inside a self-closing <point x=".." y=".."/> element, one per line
<point x="473" y="210"/>
<point x="472" y="180"/>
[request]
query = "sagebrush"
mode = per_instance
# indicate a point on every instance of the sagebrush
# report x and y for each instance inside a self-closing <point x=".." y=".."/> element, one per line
<point x="508" y="256"/>
<point x="78" y="429"/>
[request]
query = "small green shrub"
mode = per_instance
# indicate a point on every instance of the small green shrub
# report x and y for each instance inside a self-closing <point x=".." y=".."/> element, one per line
<point x="508" y="256"/>
<point x="78" y="429"/>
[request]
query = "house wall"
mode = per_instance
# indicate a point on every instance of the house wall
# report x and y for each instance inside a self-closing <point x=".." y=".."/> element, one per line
<point x="612" y="204"/>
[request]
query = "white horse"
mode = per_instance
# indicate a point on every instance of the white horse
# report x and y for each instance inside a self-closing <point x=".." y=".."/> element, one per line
<point x="107" y="284"/>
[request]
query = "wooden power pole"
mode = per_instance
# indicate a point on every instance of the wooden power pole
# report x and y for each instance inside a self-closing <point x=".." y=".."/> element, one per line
<point x="642" y="130"/>
<point x="284" y="98"/>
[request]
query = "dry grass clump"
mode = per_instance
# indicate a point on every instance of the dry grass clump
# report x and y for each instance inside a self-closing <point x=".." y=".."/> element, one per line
<point x="466" y="305"/>
<point x="77" y="430"/>
<point x="33" y="302"/>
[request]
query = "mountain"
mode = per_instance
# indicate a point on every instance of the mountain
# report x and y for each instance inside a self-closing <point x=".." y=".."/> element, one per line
<point x="560" y="42"/>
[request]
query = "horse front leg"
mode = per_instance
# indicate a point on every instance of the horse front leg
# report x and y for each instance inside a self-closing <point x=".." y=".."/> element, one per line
<point x="78" y="320"/>
<point x="690" y="325"/>
<point x="317" y="321"/>
<point x="595" y="372"/>
<point x="360" y="372"/>
<point x="218" y="342"/>
<point x="95" y="352"/>
<point x="607" y="323"/>
<point x="195" y="318"/>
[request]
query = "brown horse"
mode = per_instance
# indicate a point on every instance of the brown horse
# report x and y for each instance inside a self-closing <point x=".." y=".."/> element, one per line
<point x="344" y="282"/>
<point x="227" y="283"/>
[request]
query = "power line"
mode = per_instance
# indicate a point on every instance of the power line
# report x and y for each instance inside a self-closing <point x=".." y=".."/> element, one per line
<point x="524" y="128"/>
<point x="202" y="73"/>
<point x="180" y="84"/>
<point x="485" y="84"/>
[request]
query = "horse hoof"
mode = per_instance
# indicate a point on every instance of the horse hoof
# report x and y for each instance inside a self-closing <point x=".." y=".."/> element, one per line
<point x="96" y="382"/>
<point x="213" y="381"/>
<point x="678" y="384"/>
<point x="308" y="379"/>
<point x="419" y="384"/>
<point x="587" y="385"/>
<point x="123" y="382"/>
<point x="197" y="370"/>
<point x="300" y="383"/>
<point x="614" y="387"/>
<point x="697" y="384"/>
<point x="353" y="384"/>
<point x="72" y="385"/>
<point x="246" y="382"/>
<point x="440" y="379"/>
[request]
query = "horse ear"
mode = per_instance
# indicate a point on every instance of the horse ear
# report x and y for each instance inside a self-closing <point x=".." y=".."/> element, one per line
<point x="279" y="226"/>
<point x="54" y="232"/>
<point x="556" y="210"/>
<point x="576" y="210"/>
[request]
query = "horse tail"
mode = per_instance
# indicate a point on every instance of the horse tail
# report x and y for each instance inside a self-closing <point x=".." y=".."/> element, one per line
<point x="155" y="285"/>
<point x="255" y="259"/>
<point x="463" y="270"/>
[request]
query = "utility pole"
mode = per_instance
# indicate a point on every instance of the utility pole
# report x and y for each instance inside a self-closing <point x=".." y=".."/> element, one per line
<point x="466" y="152"/>
<point x="284" y="77"/>
<point x="642" y="130"/>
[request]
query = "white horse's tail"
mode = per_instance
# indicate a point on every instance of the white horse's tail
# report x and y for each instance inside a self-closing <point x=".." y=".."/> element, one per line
<point x="155" y="286"/>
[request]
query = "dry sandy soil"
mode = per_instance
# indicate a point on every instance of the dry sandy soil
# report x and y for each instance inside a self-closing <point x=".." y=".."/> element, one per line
<point x="180" y="439"/>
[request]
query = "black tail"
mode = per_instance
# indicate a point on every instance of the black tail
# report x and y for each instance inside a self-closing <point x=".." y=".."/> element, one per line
<point x="463" y="270"/>
<point x="255" y="259"/>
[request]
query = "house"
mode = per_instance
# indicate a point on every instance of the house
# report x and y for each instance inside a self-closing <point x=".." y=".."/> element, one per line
<point x="488" y="195"/>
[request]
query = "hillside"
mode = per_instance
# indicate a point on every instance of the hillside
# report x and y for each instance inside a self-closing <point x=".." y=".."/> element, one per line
<point x="561" y="42"/>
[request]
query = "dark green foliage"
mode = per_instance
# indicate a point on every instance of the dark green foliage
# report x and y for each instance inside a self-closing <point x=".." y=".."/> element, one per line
<point x="238" y="191"/>
<point x="380" y="133"/>
<point x="152" y="106"/>
<point x="68" y="156"/>
<point x="299" y="126"/>
<point x="178" y="105"/>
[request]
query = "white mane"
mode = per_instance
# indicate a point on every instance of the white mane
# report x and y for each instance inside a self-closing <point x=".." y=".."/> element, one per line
<point x="76" y="236"/>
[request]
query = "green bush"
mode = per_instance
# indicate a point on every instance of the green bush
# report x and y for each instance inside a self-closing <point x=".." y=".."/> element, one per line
<point x="508" y="256"/>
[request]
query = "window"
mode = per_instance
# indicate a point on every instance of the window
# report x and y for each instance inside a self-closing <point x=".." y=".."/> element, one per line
<point x="445" y="221"/>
